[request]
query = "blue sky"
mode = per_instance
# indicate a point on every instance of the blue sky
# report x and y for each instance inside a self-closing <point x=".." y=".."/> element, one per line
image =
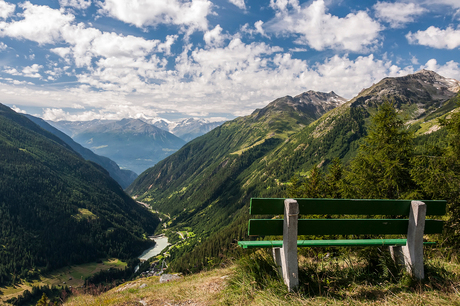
<point x="215" y="59"/>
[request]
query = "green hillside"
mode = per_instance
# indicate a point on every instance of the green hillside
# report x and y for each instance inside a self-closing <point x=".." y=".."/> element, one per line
<point x="58" y="209"/>
<point x="207" y="184"/>
<point x="208" y="171"/>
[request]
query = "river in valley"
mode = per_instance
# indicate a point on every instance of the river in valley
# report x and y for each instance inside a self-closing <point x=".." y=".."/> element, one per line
<point x="161" y="243"/>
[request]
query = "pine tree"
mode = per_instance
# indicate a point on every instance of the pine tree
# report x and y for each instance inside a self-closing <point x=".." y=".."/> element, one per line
<point x="334" y="179"/>
<point x="382" y="167"/>
<point x="43" y="301"/>
<point x="437" y="173"/>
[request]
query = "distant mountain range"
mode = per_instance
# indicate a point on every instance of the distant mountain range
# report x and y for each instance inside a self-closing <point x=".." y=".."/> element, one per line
<point x="58" y="209"/>
<point x="134" y="144"/>
<point x="207" y="184"/>
<point x="187" y="129"/>
<point x="123" y="177"/>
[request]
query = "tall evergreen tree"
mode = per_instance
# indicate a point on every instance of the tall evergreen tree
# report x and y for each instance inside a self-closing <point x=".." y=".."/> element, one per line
<point x="43" y="301"/>
<point x="382" y="167"/>
<point x="334" y="179"/>
<point x="437" y="173"/>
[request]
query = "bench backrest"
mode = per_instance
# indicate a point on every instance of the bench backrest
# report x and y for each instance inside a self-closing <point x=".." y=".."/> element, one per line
<point x="264" y="227"/>
<point x="261" y="206"/>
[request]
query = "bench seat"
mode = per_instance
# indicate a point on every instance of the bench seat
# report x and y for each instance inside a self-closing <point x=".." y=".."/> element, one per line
<point x="327" y="243"/>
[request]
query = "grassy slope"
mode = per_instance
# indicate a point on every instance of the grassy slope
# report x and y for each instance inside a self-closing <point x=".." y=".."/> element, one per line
<point x="248" y="283"/>
<point x="78" y="274"/>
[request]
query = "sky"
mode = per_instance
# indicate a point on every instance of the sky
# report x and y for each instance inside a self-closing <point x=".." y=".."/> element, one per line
<point x="211" y="59"/>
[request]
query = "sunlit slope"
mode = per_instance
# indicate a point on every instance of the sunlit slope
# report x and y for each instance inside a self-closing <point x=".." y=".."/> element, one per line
<point x="204" y="181"/>
<point x="204" y="185"/>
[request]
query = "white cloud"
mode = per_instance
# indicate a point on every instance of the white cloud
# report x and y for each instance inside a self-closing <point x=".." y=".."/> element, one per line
<point x="41" y="24"/>
<point x="436" y="38"/>
<point x="112" y="112"/>
<point x="450" y="69"/>
<point x="141" y="13"/>
<point x="28" y="71"/>
<point x="62" y="52"/>
<point x="234" y="78"/>
<point x="3" y="46"/>
<point x="32" y="71"/>
<point x="238" y="3"/>
<point x="78" y="4"/>
<point x="12" y="71"/>
<point x="214" y="38"/>
<point x="397" y="13"/>
<point x="18" y="110"/>
<point x="298" y="50"/>
<point x="283" y="5"/>
<point x="451" y="3"/>
<point x="6" y="9"/>
<point x="258" y="29"/>
<point x="316" y="28"/>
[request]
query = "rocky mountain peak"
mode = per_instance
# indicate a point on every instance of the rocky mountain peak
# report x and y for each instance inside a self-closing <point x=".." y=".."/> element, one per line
<point x="320" y="98"/>
<point x="439" y="81"/>
<point x="424" y="91"/>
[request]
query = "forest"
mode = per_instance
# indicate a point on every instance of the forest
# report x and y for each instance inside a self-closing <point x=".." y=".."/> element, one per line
<point x="391" y="162"/>
<point x="58" y="209"/>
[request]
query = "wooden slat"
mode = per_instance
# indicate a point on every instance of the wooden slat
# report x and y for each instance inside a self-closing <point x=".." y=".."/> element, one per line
<point x="274" y="227"/>
<point x="261" y="206"/>
<point x="326" y="243"/>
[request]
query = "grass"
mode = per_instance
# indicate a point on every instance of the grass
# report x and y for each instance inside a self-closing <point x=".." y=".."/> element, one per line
<point x="366" y="277"/>
<point x="241" y="151"/>
<point x="84" y="214"/>
<point x="78" y="274"/>
<point x="198" y="289"/>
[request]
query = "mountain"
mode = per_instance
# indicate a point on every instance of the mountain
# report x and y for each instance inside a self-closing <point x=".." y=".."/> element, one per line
<point x="263" y="130"/>
<point x="58" y="209"/>
<point x="206" y="186"/>
<point x="187" y="129"/>
<point x="72" y="128"/>
<point x="206" y="183"/>
<point x="123" y="177"/>
<point x="131" y="143"/>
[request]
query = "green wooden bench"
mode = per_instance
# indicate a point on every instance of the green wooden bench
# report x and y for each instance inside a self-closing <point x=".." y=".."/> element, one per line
<point x="408" y="250"/>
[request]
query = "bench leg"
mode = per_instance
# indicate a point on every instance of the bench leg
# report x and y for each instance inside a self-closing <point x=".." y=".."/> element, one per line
<point x="397" y="254"/>
<point x="288" y="252"/>
<point x="413" y="250"/>
<point x="277" y="258"/>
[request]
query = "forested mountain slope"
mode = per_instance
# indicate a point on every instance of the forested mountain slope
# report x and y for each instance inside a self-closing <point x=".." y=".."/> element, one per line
<point x="122" y="176"/>
<point x="204" y="185"/>
<point x="56" y="208"/>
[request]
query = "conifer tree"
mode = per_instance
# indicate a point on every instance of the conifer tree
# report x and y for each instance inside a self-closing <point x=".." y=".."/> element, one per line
<point x="43" y="301"/>
<point x="382" y="167"/>
<point x="334" y="180"/>
<point x="437" y="173"/>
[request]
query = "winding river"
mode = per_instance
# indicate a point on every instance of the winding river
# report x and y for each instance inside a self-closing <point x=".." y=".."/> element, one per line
<point x="161" y="243"/>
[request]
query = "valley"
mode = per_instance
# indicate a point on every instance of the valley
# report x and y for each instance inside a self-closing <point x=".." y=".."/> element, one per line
<point x="196" y="193"/>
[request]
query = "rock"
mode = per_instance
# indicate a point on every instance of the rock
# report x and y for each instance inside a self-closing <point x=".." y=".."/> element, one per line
<point x="168" y="277"/>
<point x="142" y="286"/>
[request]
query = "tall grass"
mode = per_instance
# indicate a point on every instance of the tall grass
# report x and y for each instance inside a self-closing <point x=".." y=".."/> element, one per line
<point x="366" y="276"/>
